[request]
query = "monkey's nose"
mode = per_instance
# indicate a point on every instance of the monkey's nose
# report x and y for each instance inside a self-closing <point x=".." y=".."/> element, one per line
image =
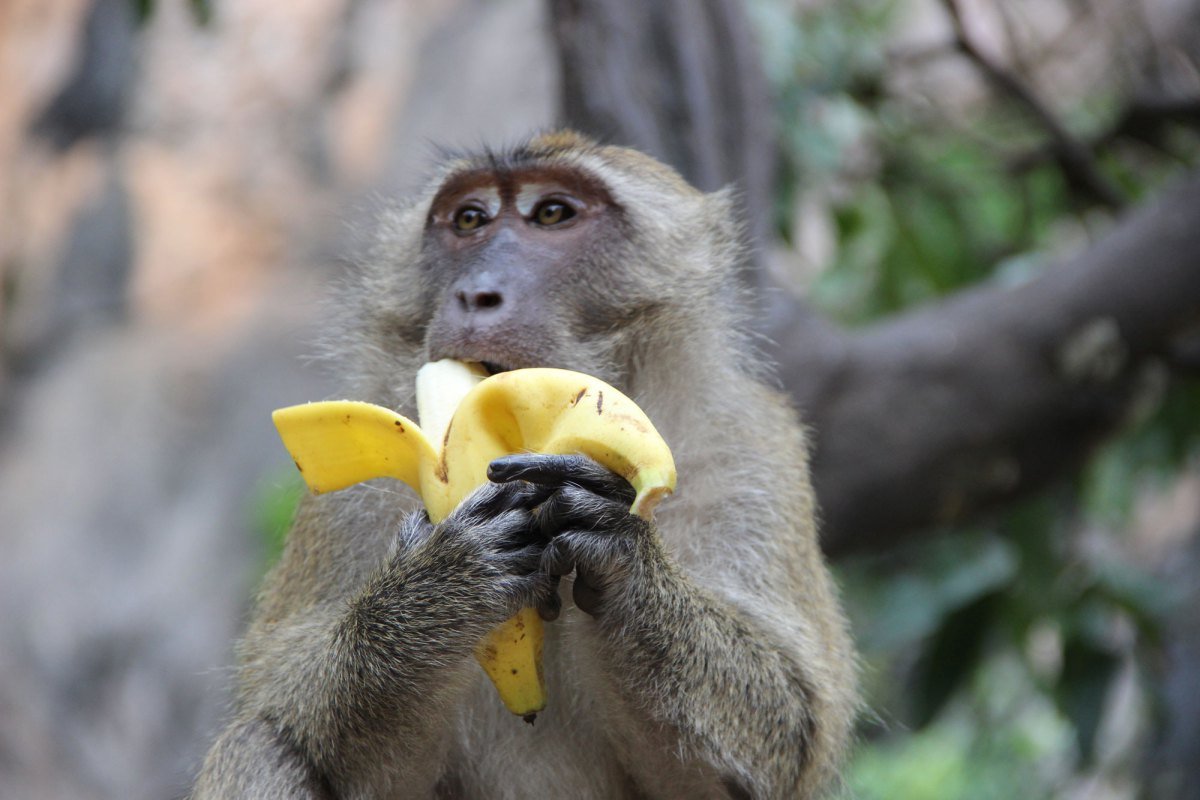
<point x="478" y="300"/>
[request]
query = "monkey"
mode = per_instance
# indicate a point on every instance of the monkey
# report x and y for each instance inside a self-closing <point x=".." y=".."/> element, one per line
<point x="704" y="654"/>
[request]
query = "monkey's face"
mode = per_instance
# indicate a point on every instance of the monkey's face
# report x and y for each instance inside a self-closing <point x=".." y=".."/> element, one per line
<point x="523" y="267"/>
<point x="558" y="253"/>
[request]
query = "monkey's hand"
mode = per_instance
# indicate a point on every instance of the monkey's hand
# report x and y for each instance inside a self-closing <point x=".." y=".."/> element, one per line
<point x="586" y="521"/>
<point x="480" y="564"/>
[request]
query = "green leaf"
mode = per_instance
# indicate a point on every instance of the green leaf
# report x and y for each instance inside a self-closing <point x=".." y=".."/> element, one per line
<point x="931" y="765"/>
<point x="952" y="656"/>
<point x="142" y="10"/>
<point x="1135" y="592"/>
<point x="273" y="508"/>
<point x="202" y="11"/>
<point x="893" y="609"/>
<point x="1087" y="675"/>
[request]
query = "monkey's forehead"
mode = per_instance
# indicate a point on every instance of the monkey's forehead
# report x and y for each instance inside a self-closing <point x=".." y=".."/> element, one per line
<point x="568" y="158"/>
<point x="515" y="181"/>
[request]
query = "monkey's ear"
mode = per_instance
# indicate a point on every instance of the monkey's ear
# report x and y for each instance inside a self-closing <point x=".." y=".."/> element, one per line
<point x="725" y="202"/>
<point x="727" y="213"/>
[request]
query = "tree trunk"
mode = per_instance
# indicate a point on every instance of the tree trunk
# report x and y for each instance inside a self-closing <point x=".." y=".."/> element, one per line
<point x="678" y="79"/>
<point x="936" y="414"/>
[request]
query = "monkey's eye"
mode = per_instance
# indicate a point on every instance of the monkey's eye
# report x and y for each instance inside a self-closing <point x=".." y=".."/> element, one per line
<point x="552" y="212"/>
<point x="469" y="218"/>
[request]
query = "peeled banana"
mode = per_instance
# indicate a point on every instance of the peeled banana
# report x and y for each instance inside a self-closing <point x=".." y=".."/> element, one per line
<point x="468" y="420"/>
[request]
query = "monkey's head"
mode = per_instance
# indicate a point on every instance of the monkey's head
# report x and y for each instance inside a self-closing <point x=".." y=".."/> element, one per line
<point x="560" y="252"/>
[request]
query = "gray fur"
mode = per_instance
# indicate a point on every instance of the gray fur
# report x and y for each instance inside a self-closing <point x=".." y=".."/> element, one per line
<point x="721" y="665"/>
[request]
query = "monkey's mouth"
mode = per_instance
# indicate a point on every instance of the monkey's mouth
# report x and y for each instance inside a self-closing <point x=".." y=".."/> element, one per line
<point x="479" y="360"/>
<point x="493" y="368"/>
<point x="473" y="359"/>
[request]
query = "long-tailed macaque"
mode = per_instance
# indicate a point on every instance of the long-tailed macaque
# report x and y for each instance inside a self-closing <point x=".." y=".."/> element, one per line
<point x="702" y="655"/>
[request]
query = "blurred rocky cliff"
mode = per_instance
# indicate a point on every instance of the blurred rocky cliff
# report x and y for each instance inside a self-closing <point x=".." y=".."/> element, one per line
<point x="177" y="183"/>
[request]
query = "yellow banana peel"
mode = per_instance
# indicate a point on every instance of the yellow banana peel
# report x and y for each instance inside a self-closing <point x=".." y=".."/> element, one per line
<point x="469" y="420"/>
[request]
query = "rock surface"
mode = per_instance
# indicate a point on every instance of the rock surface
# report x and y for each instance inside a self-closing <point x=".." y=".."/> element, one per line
<point x="174" y="196"/>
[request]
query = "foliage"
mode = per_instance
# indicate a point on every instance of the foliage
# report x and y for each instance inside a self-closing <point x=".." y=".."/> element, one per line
<point x="272" y="509"/>
<point x="201" y="10"/>
<point x="992" y="655"/>
<point x="1011" y="755"/>
<point x="1007" y="633"/>
<point x="996" y="652"/>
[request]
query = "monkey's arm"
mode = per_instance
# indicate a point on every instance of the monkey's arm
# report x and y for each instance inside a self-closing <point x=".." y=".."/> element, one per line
<point x="733" y="704"/>
<point x="734" y="693"/>
<point x="349" y="693"/>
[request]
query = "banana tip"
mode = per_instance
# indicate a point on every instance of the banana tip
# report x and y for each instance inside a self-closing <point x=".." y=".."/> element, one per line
<point x="647" y="499"/>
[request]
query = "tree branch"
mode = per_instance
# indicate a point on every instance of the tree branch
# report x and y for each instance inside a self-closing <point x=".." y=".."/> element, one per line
<point x="953" y="408"/>
<point x="1147" y="118"/>
<point x="947" y="410"/>
<point x="1074" y="158"/>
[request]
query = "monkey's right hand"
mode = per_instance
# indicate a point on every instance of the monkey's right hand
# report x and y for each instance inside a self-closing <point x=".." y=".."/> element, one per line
<point x="477" y="567"/>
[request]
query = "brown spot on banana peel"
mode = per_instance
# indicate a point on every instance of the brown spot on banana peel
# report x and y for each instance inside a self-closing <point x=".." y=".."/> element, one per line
<point x="399" y="425"/>
<point x="579" y="397"/>
<point x="599" y="402"/>
<point x="442" y="470"/>
<point x="633" y="422"/>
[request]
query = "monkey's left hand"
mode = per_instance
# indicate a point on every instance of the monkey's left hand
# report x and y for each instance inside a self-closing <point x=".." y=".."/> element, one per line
<point x="588" y="522"/>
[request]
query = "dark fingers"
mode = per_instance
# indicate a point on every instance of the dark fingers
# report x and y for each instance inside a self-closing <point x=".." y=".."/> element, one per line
<point x="557" y="470"/>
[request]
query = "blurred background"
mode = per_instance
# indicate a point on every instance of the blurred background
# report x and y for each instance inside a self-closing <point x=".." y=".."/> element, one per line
<point x="977" y="257"/>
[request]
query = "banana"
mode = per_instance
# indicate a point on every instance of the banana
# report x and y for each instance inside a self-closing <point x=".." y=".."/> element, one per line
<point x="469" y="420"/>
<point x="559" y="412"/>
<point x="441" y="386"/>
